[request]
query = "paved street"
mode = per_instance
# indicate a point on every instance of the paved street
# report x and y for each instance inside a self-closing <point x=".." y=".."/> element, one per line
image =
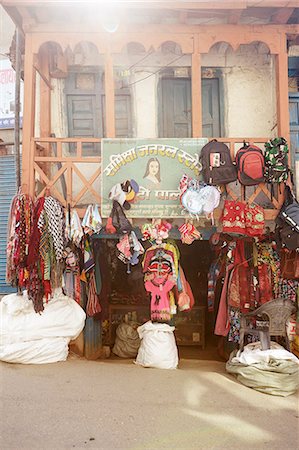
<point x="114" y="404"/>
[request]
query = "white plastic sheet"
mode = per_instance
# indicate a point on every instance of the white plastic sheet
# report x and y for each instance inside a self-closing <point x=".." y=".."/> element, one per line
<point x="158" y="347"/>
<point x="27" y="337"/>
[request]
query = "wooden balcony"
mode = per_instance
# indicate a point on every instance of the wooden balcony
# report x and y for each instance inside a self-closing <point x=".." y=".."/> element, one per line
<point x="60" y="168"/>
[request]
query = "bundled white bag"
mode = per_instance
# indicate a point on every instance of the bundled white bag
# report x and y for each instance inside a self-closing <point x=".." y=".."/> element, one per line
<point x="42" y="351"/>
<point x="158" y="347"/>
<point x="30" y="338"/>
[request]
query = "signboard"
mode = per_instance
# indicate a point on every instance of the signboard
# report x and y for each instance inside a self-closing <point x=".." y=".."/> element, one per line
<point x="157" y="165"/>
<point x="7" y="95"/>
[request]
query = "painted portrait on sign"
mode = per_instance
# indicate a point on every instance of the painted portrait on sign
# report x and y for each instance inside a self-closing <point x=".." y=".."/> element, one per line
<point x="152" y="174"/>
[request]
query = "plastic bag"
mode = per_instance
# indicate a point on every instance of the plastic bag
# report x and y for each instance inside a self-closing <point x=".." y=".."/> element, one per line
<point x="24" y="333"/>
<point x="158" y="347"/>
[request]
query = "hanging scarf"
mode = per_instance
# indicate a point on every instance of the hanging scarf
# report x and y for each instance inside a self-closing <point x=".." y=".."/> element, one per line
<point x="33" y="252"/>
<point x="56" y="225"/>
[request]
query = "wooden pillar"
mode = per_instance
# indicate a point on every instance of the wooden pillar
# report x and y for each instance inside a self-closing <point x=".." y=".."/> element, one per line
<point x="28" y="119"/>
<point x="45" y="95"/>
<point x="282" y="91"/>
<point x="109" y="96"/>
<point x="196" y="95"/>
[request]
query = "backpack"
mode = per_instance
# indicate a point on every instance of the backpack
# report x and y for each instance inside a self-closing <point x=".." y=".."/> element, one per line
<point x="276" y="160"/>
<point x="288" y="221"/>
<point x="217" y="165"/>
<point x="250" y="165"/>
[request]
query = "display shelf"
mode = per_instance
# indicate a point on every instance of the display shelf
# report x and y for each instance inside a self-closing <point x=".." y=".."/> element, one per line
<point x="190" y="327"/>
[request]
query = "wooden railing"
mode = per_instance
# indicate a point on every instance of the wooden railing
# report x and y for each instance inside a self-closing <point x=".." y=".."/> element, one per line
<point x="55" y="166"/>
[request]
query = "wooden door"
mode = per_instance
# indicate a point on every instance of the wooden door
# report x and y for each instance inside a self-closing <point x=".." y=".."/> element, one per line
<point x="174" y="97"/>
<point x="175" y="108"/>
<point x="123" y="115"/>
<point x="84" y="111"/>
<point x="210" y="108"/>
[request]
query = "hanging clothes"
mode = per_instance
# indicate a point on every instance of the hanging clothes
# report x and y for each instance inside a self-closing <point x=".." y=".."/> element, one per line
<point x="159" y="288"/>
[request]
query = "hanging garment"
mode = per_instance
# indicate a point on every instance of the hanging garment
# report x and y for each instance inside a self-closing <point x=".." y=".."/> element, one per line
<point x="185" y="295"/>
<point x="56" y="224"/>
<point x="88" y="255"/>
<point x="213" y="275"/>
<point x="189" y="233"/>
<point x="160" y="306"/>
<point x="265" y="285"/>
<point x="93" y="306"/>
<point x="76" y="228"/>
<point x="33" y="251"/>
<point x="92" y="221"/>
<point x="235" y="324"/>
<point x="222" y="325"/>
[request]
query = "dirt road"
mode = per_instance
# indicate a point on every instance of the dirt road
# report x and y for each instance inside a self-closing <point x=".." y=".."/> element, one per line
<point x="117" y="405"/>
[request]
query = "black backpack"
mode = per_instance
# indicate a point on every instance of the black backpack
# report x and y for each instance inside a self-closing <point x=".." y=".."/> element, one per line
<point x="217" y="165"/>
<point x="288" y="221"/>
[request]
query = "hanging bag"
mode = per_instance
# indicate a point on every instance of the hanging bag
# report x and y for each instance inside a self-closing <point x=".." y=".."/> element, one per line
<point x="233" y="218"/>
<point x="287" y="221"/>
<point x="254" y="220"/>
<point x="276" y="160"/>
<point x="289" y="264"/>
<point x="217" y="164"/>
<point x="250" y="165"/>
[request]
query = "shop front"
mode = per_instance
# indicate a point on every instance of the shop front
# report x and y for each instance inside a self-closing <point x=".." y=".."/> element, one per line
<point x="164" y="141"/>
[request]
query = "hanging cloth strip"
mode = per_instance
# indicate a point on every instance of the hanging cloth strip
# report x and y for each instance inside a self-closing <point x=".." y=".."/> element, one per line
<point x="93" y="306"/>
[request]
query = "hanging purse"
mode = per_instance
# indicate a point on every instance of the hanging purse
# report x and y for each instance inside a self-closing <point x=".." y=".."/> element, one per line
<point x="254" y="220"/>
<point x="289" y="264"/>
<point x="233" y="218"/>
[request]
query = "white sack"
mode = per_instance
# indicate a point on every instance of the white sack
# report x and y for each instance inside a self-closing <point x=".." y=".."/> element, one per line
<point x="127" y="341"/>
<point x="158" y="347"/>
<point x="42" y="351"/>
<point x="27" y="337"/>
<point x="252" y="354"/>
<point x="274" y="374"/>
<point x="62" y="317"/>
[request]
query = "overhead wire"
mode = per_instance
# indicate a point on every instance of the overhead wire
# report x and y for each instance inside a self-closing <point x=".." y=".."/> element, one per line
<point x="154" y="73"/>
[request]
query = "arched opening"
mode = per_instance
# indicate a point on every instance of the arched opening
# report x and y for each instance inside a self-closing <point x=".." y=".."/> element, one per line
<point x="246" y="102"/>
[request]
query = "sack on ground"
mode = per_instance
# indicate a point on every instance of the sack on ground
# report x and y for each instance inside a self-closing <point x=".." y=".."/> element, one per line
<point x="27" y="337"/>
<point x="274" y="371"/>
<point x="158" y="348"/>
<point x="127" y="341"/>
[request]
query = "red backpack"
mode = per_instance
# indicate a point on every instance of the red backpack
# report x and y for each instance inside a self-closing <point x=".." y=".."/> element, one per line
<point x="250" y="165"/>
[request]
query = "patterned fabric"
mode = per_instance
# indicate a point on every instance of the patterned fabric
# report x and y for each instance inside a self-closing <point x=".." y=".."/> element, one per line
<point x="254" y="220"/>
<point x="235" y="323"/>
<point x="93" y="306"/>
<point x="265" y="285"/>
<point x="213" y="275"/>
<point x="19" y="231"/>
<point x="287" y="288"/>
<point x="276" y="160"/>
<point x="56" y="224"/>
<point x="233" y="219"/>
